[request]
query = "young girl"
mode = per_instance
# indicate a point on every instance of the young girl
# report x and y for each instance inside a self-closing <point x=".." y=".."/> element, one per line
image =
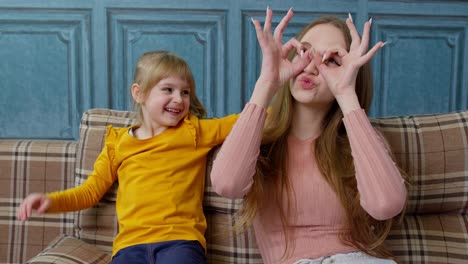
<point x="159" y="164"/>
<point x="318" y="183"/>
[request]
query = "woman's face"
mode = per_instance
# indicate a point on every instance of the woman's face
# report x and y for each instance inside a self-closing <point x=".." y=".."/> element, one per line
<point x="309" y="87"/>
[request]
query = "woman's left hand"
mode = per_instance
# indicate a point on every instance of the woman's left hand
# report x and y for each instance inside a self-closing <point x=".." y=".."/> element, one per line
<point x="341" y="80"/>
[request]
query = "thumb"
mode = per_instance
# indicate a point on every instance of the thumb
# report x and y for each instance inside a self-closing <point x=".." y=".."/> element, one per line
<point x="44" y="205"/>
<point x="323" y="70"/>
<point x="302" y="63"/>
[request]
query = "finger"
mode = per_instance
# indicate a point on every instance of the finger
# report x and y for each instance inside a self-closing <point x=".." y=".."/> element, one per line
<point x="368" y="56"/>
<point x="282" y="25"/>
<point x="258" y="31"/>
<point x="335" y="56"/>
<point x="28" y="209"/>
<point x="341" y="52"/>
<point x="291" y="44"/>
<point x="322" y="68"/>
<point x="268" y="18"/>
<point x="355" y="39"/>
<point x="365" y="37"/>
<point x="302" y="63"/>
<point x="42" y="207"/>
<point x="334" y="52"/>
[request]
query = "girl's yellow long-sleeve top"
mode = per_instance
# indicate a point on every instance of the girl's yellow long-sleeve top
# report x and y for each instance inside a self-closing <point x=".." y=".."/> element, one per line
<point x="161" y="181"/>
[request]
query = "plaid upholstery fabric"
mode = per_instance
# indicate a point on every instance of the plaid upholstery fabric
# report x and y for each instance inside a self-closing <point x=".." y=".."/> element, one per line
<point x="65" y="249"/>
<point x="433" y="150"/>
<point x="97" y="225"/>
<point x="430" y="238"/>
<point x="225" y="246"/>
<point x="28" y="166"/>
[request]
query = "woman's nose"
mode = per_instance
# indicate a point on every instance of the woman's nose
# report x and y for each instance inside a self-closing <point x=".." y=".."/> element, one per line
<point x="311" y="68"/>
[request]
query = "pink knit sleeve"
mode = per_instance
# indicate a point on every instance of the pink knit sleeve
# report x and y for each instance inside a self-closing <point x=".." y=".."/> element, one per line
<point x="380" y="185"/>
<point x="234" y="166"/>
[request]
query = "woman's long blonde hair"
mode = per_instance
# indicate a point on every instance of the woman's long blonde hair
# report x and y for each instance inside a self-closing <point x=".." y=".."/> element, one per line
<point x="154" y="66"/>
<point x="333" y="154"/>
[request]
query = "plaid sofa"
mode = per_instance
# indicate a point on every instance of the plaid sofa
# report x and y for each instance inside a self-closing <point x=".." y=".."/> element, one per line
<point x="433" y="149"/>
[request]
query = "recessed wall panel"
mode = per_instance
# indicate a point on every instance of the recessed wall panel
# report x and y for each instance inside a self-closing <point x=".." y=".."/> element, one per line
<point x="196" y="36"/>
<point x="42" y="73"/>
<point x="420" y="69"/>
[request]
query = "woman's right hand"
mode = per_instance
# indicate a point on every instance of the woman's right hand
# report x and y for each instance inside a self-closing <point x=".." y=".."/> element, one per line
<point x="276" y="67"/>
<point x="39" y="202"/>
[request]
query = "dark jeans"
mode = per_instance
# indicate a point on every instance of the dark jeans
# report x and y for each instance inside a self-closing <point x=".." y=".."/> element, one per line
<point x="170" y="252"/>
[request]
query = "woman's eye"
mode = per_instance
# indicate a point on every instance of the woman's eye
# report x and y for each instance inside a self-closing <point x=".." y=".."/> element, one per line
<point x="332" y="60"/>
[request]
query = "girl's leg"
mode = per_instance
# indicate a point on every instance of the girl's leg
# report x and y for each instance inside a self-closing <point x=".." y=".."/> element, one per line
<point x="181" y="251"/>
<point x="138" y="254"/>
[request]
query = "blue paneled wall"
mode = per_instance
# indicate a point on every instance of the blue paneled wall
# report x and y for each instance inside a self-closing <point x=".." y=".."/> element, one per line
<point x="60" y="58"/>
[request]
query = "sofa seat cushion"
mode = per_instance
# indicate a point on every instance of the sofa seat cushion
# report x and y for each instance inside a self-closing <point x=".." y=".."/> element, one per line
<point x="65" y="249"/>
<point x="430" y="238"/>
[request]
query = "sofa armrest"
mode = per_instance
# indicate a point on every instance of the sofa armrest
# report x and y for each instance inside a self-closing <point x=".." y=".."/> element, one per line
<point x="32" y="166"/>
<point x="66" y="249"/>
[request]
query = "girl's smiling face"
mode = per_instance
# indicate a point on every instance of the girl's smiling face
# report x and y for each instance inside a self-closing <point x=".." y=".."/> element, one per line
<point x="309" y="87"/>
<point x="167" y="103"/>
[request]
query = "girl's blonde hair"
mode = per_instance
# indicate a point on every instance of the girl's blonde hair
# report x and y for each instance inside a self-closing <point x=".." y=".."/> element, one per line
<point x="154" y="66"/>
<point x="333" y="154"/>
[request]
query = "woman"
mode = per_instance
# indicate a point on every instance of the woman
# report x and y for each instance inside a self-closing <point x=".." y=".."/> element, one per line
<point x="318" y="181"/>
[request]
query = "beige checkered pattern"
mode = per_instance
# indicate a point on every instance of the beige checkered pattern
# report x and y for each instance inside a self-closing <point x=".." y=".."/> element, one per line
<point x="433" y="149"/>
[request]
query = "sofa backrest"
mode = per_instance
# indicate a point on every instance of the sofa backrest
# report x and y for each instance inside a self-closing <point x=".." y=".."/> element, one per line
<point x="28" y="166"/>
<point x="98" y="225"/>
<point x="432" y="149"/>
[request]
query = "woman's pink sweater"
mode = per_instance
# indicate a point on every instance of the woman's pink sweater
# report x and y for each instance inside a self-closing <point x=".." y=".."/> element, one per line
<point x="317" y="215"/>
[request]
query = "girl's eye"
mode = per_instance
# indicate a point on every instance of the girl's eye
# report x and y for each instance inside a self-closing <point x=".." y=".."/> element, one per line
<point x="167" y="89"/>
<point x="186" y="92"/>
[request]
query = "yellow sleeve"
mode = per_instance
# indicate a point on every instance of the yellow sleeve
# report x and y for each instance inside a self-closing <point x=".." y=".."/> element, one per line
<point x="95" y="186"/>
<point x="214" y="131"/>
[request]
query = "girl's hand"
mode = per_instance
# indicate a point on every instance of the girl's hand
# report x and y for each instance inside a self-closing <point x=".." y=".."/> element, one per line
<point x="342" y="79"/>
<point x="276" y="68"/>
<point x="35" y="201"/>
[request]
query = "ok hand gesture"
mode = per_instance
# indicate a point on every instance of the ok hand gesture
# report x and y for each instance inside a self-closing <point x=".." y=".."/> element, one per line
<point x="276" y="67"/>
<point x="342" y="80"/>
